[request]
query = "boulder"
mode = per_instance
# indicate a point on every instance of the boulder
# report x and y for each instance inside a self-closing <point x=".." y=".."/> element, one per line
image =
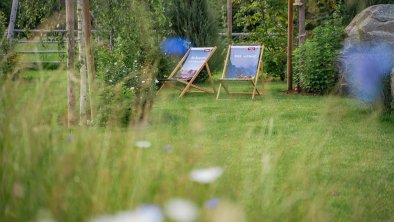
<point x="375" y="23"/>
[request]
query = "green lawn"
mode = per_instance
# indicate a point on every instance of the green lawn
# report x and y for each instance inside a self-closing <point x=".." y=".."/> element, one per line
<point x="285" y="157"/>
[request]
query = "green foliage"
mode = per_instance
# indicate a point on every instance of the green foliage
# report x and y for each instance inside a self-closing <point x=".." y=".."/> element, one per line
<point x="388" y="100"/>
<point x="352" y="7"/>
<point x="7" y="65"/>
<point x="319" y="11"/>
<point x="315" y="61"/>
<point x="267" y="20"/>
<point x="193" y="20"/>
<point x="3" y="33"/>
<point x="5" y="7"/>
<point x="3" y="27"/>
<point x="32" y="13"/>
<point x="120" y="68"/>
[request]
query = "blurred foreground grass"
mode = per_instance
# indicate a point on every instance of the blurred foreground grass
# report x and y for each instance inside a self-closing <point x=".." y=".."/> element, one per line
<point x="285" y="157"/>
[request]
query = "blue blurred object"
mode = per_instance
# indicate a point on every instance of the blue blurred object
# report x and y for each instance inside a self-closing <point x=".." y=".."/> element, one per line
<point x="175" y="46"/>
<point x="365" y="67"/>
<point x="212" y="203"/>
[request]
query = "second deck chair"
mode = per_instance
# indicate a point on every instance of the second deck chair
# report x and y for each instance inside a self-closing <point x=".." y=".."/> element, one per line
<point x="189" y="68"/>
<point x="243" y="63"/>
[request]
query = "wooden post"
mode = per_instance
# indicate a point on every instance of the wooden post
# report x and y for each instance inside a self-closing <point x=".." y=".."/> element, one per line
<point x="71" y="117"/>
<point x="229" y="21"/>
<point x="82" y="71"/>
<point x="301" y="23"/>
<point x="301" y="33"/>
<point x="89" y="54"/>
<point x="290" y="46"/>
<point x="112" y="32"/>
<point x="11" y="25"/>
<point x="392" y="83"/>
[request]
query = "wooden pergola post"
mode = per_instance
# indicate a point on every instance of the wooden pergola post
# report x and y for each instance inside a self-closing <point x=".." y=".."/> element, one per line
<point x="392" y="83"/>
<point x="229" y="21"/>
<point x="301" y="22"/>
<point x="89" y="54"/>
<point x="11" y="25"/>
<point x="290" y="46"/>
<point x="301" y="32"/>
<point x="71" y="116"/>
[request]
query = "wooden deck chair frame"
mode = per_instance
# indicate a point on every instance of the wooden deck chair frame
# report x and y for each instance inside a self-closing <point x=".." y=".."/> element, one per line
<point x="253" y="81"/>
<point x="189" y="84"/>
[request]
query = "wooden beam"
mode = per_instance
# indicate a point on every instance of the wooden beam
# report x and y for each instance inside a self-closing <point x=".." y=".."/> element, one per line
<point x="301" y="34"/>
<point x="229" y="20"/>
<point x="301" y="23"/>
<point x="40" y="52"/>
<point x="290" y="46"/>
<point x="82" y="70"/>
<point x="89" y="54"/>
<point x="71" y="116"/>
<point x="11" y="25"/>
<point x="392" y="83"/>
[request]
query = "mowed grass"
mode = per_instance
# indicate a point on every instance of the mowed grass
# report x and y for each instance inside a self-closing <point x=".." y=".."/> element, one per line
<point x="285" y="157"/>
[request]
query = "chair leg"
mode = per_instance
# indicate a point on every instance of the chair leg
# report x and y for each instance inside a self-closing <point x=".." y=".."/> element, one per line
<point x="157" y="93"/>
<point x="186" y="88"/>
<point x="254" y="89"/>
<point x="220" y="87"/>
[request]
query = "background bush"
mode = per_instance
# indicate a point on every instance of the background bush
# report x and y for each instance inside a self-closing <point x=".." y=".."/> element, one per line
<point x="267" y="21"/>
<point x="194" y="21"/>
<point x="315" y="65"/>
<point x="120" y="67"/>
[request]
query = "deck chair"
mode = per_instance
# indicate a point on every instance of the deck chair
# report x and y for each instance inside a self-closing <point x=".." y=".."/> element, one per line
<point x="243" y="63"/>
<point x="189" y="68"/>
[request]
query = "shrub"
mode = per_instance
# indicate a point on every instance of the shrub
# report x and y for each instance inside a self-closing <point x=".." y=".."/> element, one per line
<point x="388" y="101"/>
<point x="121" y="69"/>
<point x="193" y="20"/>
<point x="315" y="61"/>
<point x="267" y="20"/>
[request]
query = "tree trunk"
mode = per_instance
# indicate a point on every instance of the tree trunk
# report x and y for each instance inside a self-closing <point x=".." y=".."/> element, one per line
<point x="229" y="20"/>
<point x="89" y="55"/>
<point x="290" y="46"/>
<point x="71" y="117"/>
<point x="11" y="25"/>
<point x="82" y="61"/>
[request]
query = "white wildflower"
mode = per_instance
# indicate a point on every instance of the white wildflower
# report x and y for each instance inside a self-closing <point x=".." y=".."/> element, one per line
<point x="148" y="213"/>
<point x="181" y="210"/>
<point x="206" y="175"/>
<point x="143" y="144"/>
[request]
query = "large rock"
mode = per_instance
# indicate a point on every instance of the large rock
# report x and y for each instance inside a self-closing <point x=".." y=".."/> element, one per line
<point x="375" y="23"/>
